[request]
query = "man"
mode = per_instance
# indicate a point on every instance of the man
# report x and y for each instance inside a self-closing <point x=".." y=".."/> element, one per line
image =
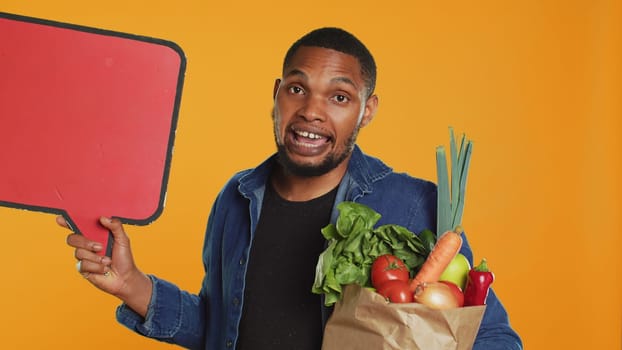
<point x="263" y="234"/>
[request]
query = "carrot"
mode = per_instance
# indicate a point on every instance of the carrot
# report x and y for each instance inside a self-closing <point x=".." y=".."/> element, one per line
<point x="439" y="258"/>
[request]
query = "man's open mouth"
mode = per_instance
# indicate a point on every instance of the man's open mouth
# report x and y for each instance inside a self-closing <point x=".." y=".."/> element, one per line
<point x="307" y="142"/>
<point x="309" y="137"/>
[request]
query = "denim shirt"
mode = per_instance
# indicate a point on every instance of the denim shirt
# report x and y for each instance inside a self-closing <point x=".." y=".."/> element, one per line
<point x="210" y="319"/>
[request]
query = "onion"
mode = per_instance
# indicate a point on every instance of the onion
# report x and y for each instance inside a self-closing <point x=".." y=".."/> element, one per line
<point x="436" y="295"/>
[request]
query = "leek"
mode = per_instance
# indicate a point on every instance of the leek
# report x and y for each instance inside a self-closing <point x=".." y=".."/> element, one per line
<point x="450" y="203"/>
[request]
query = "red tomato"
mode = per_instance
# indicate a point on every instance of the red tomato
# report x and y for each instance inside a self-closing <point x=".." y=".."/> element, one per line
<point x="386" y="268"/>
<point x="396" y="291"/>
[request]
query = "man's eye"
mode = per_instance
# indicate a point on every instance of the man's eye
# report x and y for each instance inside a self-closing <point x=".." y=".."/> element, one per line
<point x="296" y="90"/>
<point x="341" y="98"/>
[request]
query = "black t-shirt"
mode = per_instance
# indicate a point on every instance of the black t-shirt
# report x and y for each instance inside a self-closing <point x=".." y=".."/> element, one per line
<point x="279" y="311"/>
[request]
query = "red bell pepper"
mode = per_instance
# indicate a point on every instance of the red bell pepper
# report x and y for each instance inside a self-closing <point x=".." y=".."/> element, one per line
<point x="478" y="284"/>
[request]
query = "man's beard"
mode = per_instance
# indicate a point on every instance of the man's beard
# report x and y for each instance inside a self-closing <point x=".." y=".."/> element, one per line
<point x="329" y="163"/>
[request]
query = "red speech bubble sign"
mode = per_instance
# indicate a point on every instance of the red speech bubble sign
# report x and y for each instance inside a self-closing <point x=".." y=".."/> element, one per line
<point x="88" y="121"/>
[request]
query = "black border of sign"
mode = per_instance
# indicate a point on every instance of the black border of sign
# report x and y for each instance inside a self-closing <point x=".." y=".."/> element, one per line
<point x="171" y="139"/>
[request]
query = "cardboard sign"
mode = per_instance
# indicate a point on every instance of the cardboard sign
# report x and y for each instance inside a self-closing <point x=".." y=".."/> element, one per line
<point x="88" y="119"/>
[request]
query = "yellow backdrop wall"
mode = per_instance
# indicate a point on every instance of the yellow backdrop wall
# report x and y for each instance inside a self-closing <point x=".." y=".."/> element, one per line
<point x="536" y="84"/>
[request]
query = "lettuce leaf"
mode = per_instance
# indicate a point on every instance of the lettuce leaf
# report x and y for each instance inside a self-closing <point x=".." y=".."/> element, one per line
<point x="354" y="242"/>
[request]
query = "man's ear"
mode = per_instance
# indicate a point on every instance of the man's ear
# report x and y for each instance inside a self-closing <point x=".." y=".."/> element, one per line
<point x="277" y="83"/>
<point x="371" y="105"/>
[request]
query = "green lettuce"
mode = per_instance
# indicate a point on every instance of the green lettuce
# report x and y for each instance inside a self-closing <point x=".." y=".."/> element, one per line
<point x="354" y="243"/>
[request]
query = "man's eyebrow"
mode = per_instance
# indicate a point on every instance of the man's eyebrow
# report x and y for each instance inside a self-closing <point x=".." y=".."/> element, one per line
<point x="301" y="74"/>
<point x="344" y="80"/>
<point x="296" y="72"/>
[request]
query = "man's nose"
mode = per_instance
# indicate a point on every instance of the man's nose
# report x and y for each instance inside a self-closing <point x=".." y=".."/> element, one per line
<point x="314" y="108"/>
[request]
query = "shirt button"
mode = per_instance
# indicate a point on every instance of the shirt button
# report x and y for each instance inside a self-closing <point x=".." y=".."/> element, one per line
<point x="236" y="301"/>
<point x="229" y="343"/>
<point x="242" y="261"/>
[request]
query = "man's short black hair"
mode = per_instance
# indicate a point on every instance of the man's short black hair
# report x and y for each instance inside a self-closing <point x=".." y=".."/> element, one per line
<point x="339" y="40"/>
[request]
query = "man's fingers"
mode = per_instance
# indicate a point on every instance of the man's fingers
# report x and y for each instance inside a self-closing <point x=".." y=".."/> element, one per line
<point x="78" y="241"/>
<point x="84" y="254"/>
<point x="60" y="220"/>
<point x="86" y="265"/>
<point x="113" y="225"/>
<point x="116" y="228"/>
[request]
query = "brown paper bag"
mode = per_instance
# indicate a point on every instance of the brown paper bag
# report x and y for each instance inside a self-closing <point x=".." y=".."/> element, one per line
<point x="362" y="319"/>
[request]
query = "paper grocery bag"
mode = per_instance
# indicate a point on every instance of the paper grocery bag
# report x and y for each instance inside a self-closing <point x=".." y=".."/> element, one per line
<point x="363" y="319"/>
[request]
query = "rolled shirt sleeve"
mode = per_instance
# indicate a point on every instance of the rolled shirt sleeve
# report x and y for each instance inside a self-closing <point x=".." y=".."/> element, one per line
<point x="173" y="316"/>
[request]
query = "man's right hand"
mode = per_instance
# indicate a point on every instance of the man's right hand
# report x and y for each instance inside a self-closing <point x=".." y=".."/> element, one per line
<point x="118" y="275"/>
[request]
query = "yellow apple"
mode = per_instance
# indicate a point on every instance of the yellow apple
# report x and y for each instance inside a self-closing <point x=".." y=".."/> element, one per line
<point x="457" y="271"/>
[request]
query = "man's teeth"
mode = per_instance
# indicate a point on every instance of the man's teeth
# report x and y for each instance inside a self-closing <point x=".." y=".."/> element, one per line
<point x="309" y="135"/>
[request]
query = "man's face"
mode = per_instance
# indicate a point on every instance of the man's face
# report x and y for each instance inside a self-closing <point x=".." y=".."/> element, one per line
<point x="320" y="105"/>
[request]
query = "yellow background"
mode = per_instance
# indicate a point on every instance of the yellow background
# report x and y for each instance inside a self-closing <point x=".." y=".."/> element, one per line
<point x="536" y="84"/>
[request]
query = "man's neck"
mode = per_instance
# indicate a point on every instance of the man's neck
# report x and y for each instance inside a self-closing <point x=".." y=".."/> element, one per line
<point x="302" y="188"/>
